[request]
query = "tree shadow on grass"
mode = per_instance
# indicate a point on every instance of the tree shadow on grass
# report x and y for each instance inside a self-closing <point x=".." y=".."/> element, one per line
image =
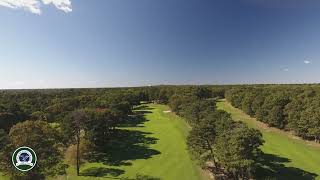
<point x="142" y="177"/>
<point x="136" y="120"/>
<point x="143" y="112"/>
<point x="126" y="145"/>
<point x="102" y="172"/>
<point x="142" y="107"/>
<point x="272" y="167"/>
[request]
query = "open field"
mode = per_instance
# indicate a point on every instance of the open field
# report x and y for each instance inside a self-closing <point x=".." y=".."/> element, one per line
<point x="154" y="146"/>
<point x="286" y="157"/>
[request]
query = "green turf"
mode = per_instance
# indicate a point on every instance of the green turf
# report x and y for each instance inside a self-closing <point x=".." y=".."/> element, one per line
<point x="163" y="156"/>
<point x="286" y="157"/>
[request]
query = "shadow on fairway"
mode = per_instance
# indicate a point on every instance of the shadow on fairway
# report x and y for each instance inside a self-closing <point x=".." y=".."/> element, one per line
<point x="102" y="172"/>
<point x="272" y="167"/>
<point x="142" y="177"/>
<point x="106" y="172"/>
<point x="126" y="145"/>
<point x="137" y="119"/>
<point x="142" y="107"/>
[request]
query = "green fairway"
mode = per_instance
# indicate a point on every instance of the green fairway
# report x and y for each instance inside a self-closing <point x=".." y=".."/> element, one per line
<point x="286" y="157"/>
<point x="158" y="149"/>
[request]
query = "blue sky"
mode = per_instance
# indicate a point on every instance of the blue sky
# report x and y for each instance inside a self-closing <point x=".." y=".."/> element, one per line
<point x="107" y="43"/>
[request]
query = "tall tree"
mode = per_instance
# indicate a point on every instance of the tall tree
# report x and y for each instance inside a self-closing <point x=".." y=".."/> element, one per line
<point x="237" y="150"/>
<point x="202" y="137"/>
<point x="72" y="126"/>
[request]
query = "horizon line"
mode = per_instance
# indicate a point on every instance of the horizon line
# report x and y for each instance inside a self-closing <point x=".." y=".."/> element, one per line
<point x="157" y="85"/>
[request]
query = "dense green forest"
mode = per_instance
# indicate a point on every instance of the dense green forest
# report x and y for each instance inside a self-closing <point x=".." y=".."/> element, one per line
<point x="226" y="148"/>
<point x="289" y="107"/>
<point x="84" y="121"/>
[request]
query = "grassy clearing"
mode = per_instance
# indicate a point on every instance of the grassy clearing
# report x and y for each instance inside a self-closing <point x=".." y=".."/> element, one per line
<point x="286" y="156"/>
<point x="155" y="148"/>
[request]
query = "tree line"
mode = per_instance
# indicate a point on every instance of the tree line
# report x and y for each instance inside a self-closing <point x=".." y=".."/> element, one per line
<point x="55" y="121"/>
<point x="83" y="121"/>
<point x="227" y="148"/>
<point x="293" y="108"/>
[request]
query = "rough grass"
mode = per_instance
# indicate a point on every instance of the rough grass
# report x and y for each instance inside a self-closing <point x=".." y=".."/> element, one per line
<point x="285" y="156"/>
<point x="153" y="146"/>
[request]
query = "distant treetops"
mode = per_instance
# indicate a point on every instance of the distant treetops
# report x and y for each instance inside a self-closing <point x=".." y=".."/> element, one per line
<point x="289" y="107"/>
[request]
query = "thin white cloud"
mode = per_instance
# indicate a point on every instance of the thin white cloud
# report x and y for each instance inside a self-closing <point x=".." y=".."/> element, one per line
<point x="30" y="5"/>
<point x="64" y="5"/>
<point x="307" y="62"/>
<point x="34" y="6"/>
<point x="285" y="69"/>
